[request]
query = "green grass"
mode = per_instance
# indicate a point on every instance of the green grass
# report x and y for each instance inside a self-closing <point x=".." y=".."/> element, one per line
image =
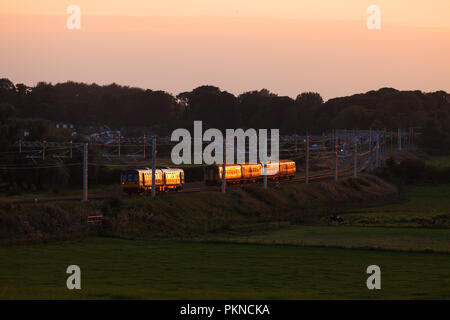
<point x="402" y="239"/>
<point x="439" y="161"/>
<point x="420" y="222"/>
<point x="274" y="260"/>
<point x="423" y="206"/>
<point x="123" y="269"/>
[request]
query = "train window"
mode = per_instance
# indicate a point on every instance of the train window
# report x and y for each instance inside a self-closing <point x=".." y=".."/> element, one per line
<point x="124" y="178"/>
<point x="133" y="177"/>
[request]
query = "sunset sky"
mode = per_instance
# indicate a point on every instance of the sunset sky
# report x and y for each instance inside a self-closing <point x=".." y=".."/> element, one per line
<point x="286" y="46"/>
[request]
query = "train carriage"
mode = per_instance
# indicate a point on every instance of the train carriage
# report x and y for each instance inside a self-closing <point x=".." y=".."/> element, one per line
<point x="213" y="174"/>
<point x="251" y="172"/>
<point x="173" y="179"/>
<point x="287" y="169"/>
<point x="140" y="180"/>
<point x="272" y="170"/>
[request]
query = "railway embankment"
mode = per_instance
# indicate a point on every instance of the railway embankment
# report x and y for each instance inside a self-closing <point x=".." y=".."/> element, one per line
<point x="191" y="214"/>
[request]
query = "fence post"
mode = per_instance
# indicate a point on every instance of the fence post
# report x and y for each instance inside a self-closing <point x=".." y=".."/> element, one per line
<point x="336" y="159"/>
<point x="224" y="182"/>
<point x="85" y="172"/>
<point x="399" y="139"/>
<point x="355" y="157"/>
<point x="20" y="146"/>
<point x="153" y="167"/>
<point x="307" y="160"/>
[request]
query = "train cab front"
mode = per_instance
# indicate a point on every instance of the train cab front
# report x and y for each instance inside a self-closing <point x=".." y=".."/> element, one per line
<point x="130" y="181"/>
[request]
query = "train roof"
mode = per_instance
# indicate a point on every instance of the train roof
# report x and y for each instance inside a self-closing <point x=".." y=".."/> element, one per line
<point x="287" y="161"/>
<point x="172" y="170"/>
<point x="147" y="170"/>
<point x="254" y="164"/>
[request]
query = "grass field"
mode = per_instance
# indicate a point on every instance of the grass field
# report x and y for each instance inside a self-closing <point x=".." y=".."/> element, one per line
<point x="401" y="239"/>
<point x="419" y="222"/>
<point x="423" y="206"/>
<point x="125" y="269"/>
<point x="270" y="258"/>
<point x="439" y="161"/>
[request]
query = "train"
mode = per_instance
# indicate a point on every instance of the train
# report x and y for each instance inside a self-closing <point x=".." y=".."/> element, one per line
<point x="250" y="172"/>
<point x="140" y="180"/>
<point x="169" y="179"/>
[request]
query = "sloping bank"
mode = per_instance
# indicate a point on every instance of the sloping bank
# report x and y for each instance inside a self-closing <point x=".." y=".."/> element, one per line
<point x="184" y="215"/>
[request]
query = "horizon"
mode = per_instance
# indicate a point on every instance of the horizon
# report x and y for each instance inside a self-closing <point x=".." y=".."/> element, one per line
<point x="224" y="90"/>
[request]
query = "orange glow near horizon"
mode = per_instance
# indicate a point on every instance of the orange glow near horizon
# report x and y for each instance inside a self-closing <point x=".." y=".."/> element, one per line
<point x="285" y="46"/>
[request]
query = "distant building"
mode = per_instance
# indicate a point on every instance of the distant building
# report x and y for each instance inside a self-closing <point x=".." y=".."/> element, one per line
<point x="59" y="125"/>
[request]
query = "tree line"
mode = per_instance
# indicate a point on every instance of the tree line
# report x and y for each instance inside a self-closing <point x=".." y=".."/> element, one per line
<point x="161" y="112"/>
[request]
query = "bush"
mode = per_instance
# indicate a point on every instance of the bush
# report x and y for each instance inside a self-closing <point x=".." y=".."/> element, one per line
<point x="413" y="171"/>
<point x="111" y="207"/>
<point x="41" y="222"/>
